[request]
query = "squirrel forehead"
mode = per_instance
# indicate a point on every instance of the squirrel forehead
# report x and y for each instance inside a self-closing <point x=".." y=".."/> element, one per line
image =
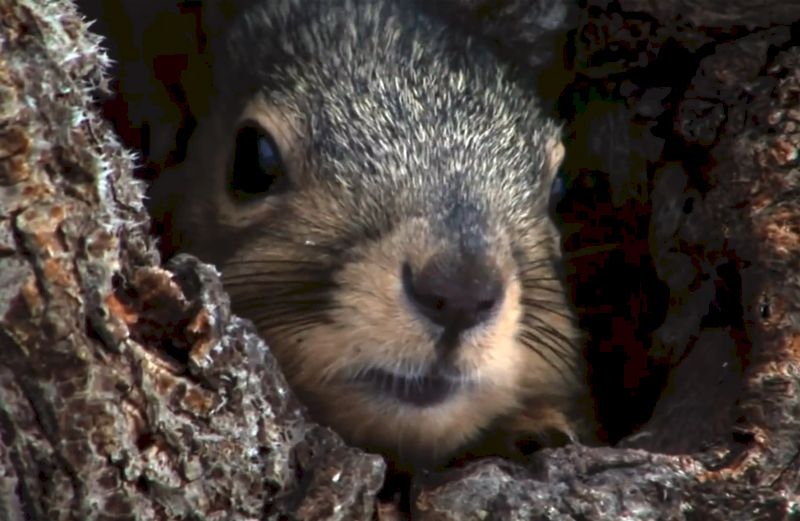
<point x="397" y="92"/>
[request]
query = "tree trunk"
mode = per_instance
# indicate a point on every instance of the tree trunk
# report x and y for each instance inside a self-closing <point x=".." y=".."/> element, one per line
<point x="129" y="391"/>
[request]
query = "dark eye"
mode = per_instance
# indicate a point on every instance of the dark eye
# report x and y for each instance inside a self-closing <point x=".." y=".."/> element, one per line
<point x="258" y="168"/>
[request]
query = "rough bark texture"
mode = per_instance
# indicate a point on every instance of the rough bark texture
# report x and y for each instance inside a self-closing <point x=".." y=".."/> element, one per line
<point x="128" y="391"/>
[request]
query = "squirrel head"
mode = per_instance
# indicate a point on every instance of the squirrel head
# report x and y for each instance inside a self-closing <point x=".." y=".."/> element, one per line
<point x="374" y="186"/>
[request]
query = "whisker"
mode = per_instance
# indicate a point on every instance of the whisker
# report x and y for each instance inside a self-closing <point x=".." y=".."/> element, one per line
<point x="296" y="271"/>
<point x="593" y="250"/>
<point x="287" y="295"/>
<point x="554" y="308"/>
<point x="258" y="262"/>
<point x="253" y="279"/>
<point x="531" y="265"/>
<point x="556" y="342"/>
<point x="556" y="280"/>
<point x="245" y="281"/>
<point x="549" y="289"/>
<point x="532" y="342"/>
<point x="317" y="315"/>
<point x="549" y="342"/>
<point x="535" y="245"/>
<point x="551" y="346"/>
<point x="286" y="311"/>
<point x="284" y="326"/>
<point x="544" y="326"/>
<point x="281" y="309"/>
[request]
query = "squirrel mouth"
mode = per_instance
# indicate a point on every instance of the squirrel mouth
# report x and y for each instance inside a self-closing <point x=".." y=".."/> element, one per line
<point x="424" y="390"/>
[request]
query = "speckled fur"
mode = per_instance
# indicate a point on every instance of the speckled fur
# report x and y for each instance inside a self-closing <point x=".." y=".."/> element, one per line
<point x="403" y="138"/>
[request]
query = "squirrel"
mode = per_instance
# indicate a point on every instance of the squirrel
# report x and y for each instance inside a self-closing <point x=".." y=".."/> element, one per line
<point x="374" y="185"/>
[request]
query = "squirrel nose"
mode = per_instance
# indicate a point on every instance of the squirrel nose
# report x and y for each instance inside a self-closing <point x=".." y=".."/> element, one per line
<point x="455" y="293"/>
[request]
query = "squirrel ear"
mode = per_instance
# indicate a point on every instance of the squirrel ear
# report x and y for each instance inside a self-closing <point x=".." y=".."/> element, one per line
<point x="527" y="30"/>
<point x="555" y="157"/>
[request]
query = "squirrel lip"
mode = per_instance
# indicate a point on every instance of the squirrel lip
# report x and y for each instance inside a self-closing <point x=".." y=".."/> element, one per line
<point x="421" y="390"/>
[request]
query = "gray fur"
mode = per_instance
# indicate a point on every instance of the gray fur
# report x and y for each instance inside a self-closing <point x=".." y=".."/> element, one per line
<point x="401" y="116"/>
<point x="404" y="113"/>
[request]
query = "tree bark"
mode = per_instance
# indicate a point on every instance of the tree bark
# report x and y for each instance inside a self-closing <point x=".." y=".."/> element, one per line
<point x="129" y="391"/>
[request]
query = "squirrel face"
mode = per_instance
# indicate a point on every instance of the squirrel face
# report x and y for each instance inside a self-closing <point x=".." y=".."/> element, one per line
<point x="374" y="188"/>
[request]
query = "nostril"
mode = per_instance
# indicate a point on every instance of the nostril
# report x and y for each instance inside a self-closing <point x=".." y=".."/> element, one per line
<point x="456" y="294"/>
<point x="485" y="305"/>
